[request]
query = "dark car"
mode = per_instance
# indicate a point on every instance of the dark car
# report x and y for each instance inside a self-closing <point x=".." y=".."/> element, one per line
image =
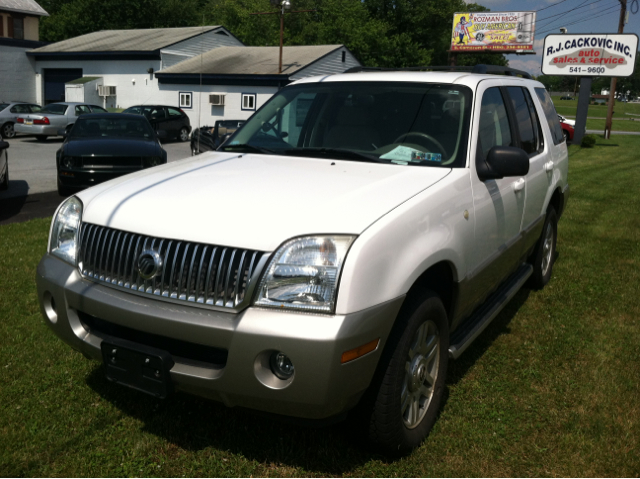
<point x="4" y="165"/>
<point x="9" y="113"/>
<point x="103" y="146"/>
<point x="210" y="138"/>
<point x="168" y="118"/>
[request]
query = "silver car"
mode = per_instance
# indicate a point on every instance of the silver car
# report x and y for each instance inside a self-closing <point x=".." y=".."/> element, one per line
<point x="9" y="112"/>
<point x="53" y="117"/>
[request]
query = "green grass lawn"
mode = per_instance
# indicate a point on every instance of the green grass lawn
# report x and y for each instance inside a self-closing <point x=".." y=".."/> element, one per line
<point x="551" y="388"/>
<point x="615" y="125"/>
<point x="569" y="107"/>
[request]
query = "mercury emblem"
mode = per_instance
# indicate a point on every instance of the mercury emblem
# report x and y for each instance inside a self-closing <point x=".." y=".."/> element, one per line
<point x="149" y="264"/>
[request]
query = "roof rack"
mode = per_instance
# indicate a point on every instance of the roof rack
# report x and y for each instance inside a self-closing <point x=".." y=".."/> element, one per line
<point x="481" y="69"/>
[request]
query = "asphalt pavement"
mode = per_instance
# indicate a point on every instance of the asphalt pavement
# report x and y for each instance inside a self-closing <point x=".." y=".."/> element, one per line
<point x="32" y="189"/>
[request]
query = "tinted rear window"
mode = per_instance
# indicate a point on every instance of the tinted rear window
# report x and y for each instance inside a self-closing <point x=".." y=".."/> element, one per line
<point x="551" y="115"/>
<point x="54" y="109"/>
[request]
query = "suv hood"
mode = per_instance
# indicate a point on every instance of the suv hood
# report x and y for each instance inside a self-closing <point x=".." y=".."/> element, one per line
<point x="254" y="201"/>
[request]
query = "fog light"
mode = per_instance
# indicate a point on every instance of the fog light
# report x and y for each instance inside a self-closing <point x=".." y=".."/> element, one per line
<point x="281" y="365"/>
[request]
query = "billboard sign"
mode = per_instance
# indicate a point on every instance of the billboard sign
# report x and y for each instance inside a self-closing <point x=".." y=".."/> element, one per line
<point x="607" y="55"/>
<point x="493" y="31"/>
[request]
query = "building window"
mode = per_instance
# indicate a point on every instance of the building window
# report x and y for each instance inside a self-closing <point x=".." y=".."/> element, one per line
<point x="185" y="99"/>
<point x="248" y="101"/>
<point x="18" y="28"/>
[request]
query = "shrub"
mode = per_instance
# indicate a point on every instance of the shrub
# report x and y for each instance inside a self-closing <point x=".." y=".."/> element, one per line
<point x="588" y="141"/>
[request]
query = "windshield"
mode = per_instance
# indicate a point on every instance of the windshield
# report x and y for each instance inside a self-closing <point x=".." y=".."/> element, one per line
<point x="111" y="128"/>
<point x="54" y="109"/>
<point x="403" y="123"/>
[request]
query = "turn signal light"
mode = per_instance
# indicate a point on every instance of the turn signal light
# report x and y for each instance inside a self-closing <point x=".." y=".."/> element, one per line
<point x="360" y="351"/>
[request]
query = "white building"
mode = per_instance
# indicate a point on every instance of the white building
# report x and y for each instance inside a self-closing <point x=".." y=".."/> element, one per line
<point x="124" y="59"/>
<point x="232" y="82"/>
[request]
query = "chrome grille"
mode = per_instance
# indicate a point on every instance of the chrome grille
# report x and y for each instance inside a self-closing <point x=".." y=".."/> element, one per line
<point x="194" y="272"/>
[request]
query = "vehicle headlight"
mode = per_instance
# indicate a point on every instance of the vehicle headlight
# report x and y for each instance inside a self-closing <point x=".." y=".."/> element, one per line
<point x="68" y="161"/>
<point x="63" y="239"/>
<point x="304" y="273"/>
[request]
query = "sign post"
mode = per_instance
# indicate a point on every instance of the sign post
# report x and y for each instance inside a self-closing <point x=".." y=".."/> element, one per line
<point x="589" y="55"/>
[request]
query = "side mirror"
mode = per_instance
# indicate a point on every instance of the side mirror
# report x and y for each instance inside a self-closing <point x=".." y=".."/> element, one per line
<point x="62" y="132"/>
<point x="161" y="134"/>
<point x="3" y="145"/>
<point x="503" y="161"/>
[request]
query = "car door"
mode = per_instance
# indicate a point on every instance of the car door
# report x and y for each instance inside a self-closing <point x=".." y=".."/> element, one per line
<point x="538" y="180"/>
<point x="176" y="120"/>
<point x="498" y="203"/>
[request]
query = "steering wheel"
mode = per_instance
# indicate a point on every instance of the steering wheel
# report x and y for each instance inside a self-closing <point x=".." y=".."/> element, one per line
<point x="424" y="135"/>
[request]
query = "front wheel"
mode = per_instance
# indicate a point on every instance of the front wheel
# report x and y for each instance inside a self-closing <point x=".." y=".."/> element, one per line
<point x="184" y="134"/>
<point x="8" y="131"/>
<point x="411" y="380"/>
<point x="544" y="253"/>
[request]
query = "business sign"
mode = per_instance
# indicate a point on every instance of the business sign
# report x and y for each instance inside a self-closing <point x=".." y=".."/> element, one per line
<point x="493" y="31"/>
<point x="607" y="55"/>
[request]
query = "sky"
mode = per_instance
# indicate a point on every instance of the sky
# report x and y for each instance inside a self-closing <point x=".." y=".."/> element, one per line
<point x="577" y="16"/>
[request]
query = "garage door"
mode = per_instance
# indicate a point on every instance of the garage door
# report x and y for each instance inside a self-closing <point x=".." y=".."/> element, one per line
<point x="54" y="80"/>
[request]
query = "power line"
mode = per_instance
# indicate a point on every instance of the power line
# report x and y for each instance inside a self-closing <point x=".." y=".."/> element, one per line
<point x="552" y="5"/>
<point x="609" y="10"/>
<point x="564" y="13"/>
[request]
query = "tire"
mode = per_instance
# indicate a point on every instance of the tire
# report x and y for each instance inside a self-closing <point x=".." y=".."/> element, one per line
<point x="5" y="181"/>
<point x="544" y="253"/>
<point x="183" y="135"/>
<point x="41" y="137"/>
<point x="404" y="398"/>
<point x="64" y="190"/>
<point x="8" y="131"/>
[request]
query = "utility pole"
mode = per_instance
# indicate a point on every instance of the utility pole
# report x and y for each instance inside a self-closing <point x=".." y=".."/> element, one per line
<point x="612" y="92"/>
<point x="282" y="6"/>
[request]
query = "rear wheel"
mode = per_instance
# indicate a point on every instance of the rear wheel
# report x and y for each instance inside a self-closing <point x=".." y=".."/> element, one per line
<point x="406" y="393"/>
<point x="41" y="137"/>
<point x="8" y="131"/>
<point x="544" y="254"/>
<point x="184" y="134"/>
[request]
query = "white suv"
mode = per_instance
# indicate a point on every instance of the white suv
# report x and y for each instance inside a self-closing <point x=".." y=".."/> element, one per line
<point x="356" y="233"/>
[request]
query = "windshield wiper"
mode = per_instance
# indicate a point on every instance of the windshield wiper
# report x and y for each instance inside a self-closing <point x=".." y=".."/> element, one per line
<point x="337" y="153"/>
<point x="247" y="148"/>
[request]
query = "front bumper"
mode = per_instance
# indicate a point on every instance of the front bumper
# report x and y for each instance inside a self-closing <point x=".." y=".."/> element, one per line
<point x="320" y="388"/>
<point x="86" y="179"/>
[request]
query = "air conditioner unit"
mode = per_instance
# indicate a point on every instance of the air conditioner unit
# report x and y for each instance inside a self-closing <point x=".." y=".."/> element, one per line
<point x="105" y="90"/>
<point x="217" y="99"/>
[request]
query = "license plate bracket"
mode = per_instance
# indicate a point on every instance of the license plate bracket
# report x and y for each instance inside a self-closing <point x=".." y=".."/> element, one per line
<point x="138" y="367"/>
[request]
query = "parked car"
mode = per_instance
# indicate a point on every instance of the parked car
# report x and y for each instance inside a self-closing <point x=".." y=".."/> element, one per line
<point x="4" y="165"/>
<point x="351" y="238"/>
<point x="209" y="138"/>
<point x="567" y="131"/>
<point x="53" y="118"/>
<point x="9" y="113"/>
<point x="104" y="146"/>
<point x="563" y="119"/>
<point x="567" y="98"/>
<point x="168" y="118"/>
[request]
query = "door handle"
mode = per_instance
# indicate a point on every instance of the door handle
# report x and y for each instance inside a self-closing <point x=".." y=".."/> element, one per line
<point x="518" y="185"/>
<point x="548" y="166"/>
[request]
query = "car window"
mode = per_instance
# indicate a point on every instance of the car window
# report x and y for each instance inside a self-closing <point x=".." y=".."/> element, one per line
<point x="174" y="112"/>
<point x="98" y="109"/>
<point x="154" y="112"/>
<point x="134" y="110"/>
<point x="494" y="127"/>
<point x="3" y="106"/>
<point x="82" y="110"/>
<point x="551" y="115"/>
<point x="20" y="109"/>
<point x="526" y="125"/>
<point x="54" y="109"/>
<point x="35" y="108"/>
<point x="423" y="124"/>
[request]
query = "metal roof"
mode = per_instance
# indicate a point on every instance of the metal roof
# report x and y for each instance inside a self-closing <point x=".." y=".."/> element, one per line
<point x="251" y="60"/>
<point x="148" y="40"/>
<point x="30" y="7"/>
